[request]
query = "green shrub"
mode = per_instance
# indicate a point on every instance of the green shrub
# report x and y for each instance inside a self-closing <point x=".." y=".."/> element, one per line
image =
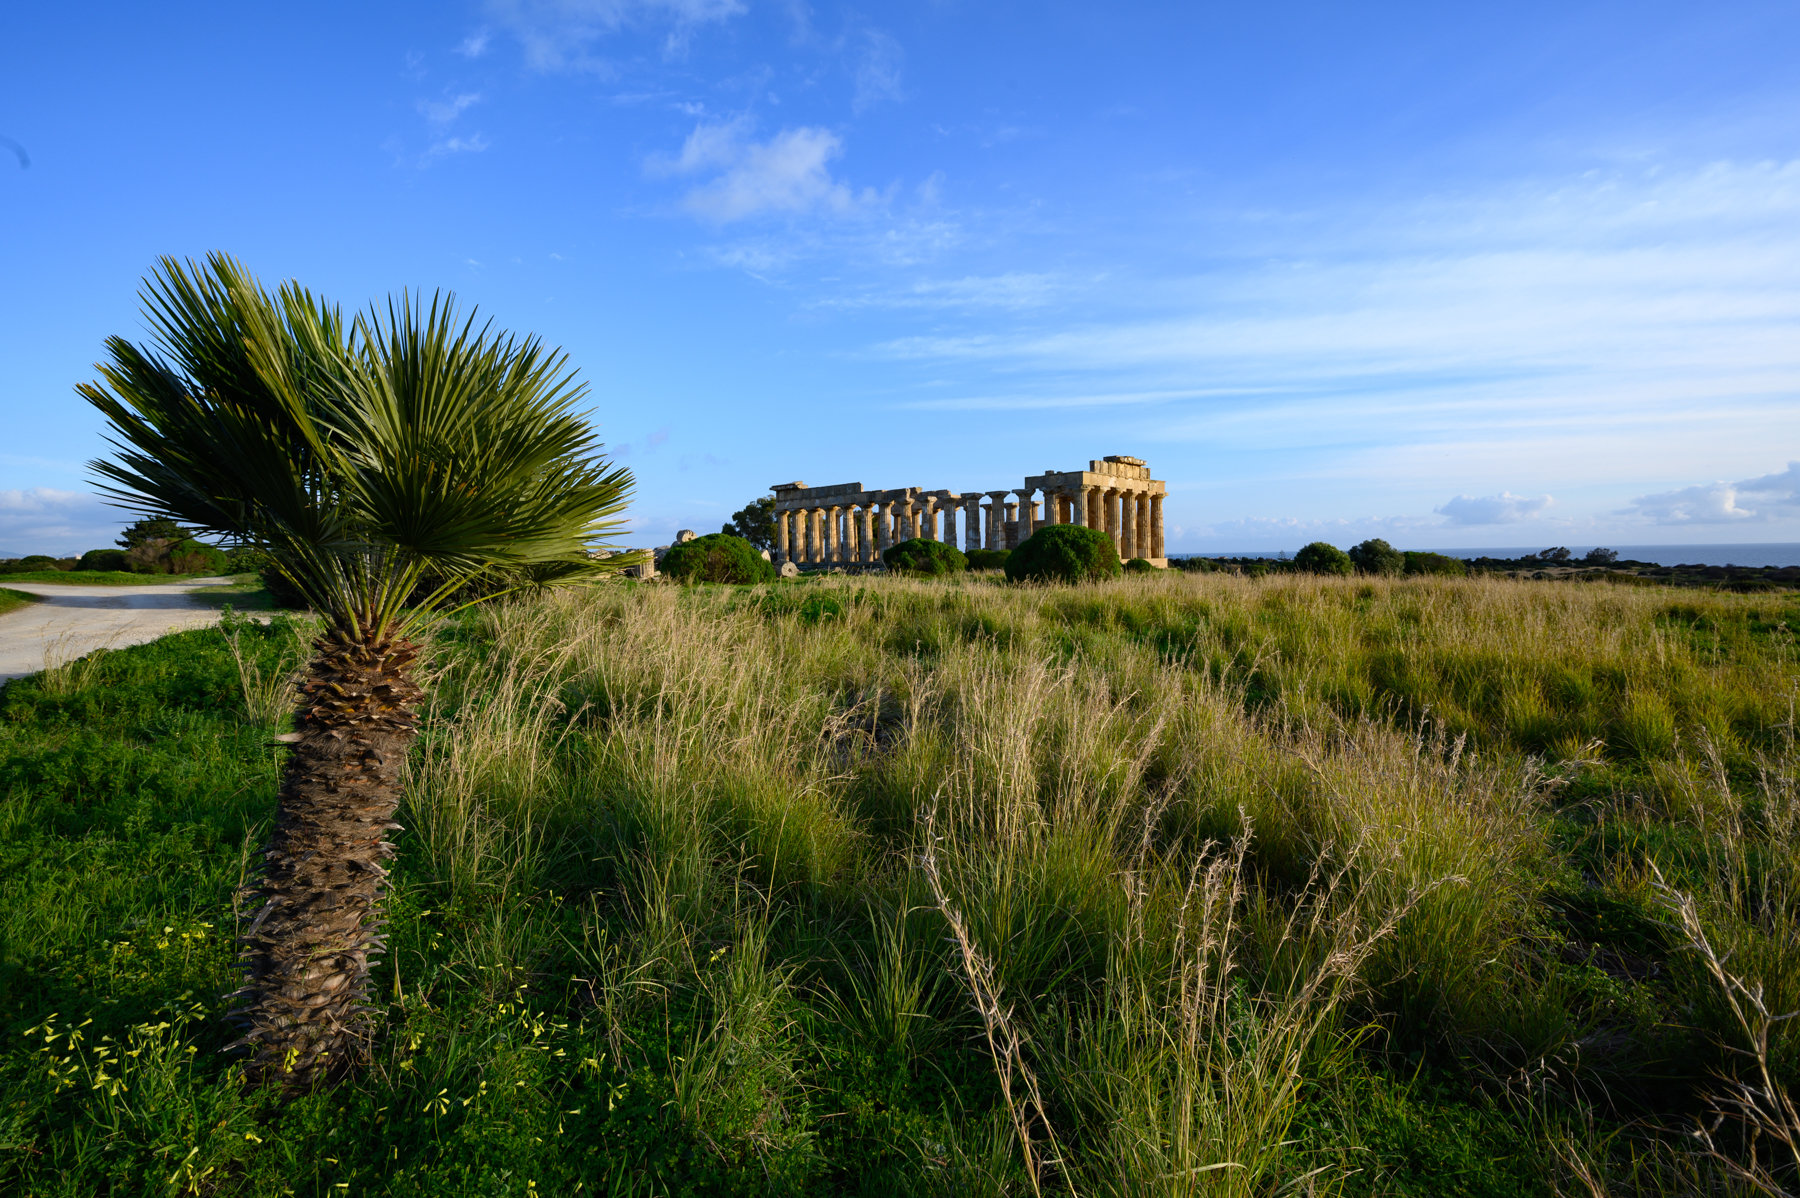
<point x="717" y="557"/>
<point x="24" y="565"/>
<point x="1435" y="563"/>
<point x="103" y="559"/>
<point x="195" y="557"/>
<point x="988" y="559"/>
<point x="1138" y="565"/>
<point x="242" y="559"/>
<point x="280" y="589"/>
<point x="1064" y="553"/>
<point x="1376" y="556"/>
<point x="1322" y="558"/>
<point x="919" y="556"/>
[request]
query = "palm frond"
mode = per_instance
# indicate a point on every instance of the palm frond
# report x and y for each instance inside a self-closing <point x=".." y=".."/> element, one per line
<point x="361" y="455"/>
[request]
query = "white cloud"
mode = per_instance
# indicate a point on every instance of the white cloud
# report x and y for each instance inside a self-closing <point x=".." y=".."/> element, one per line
<point x="1723" y="502"/>
<point x="60" y="523"/>
<point x="878" y="66"/>
<point x="1504" y="508"/>
<point x="442" y="112"/>
<point x="789" y="173"/>
<point x="475" y="143"/>
<point x="1012" y="291"/>
<point x="560" y="34"/>
<point x="475" y="45"/>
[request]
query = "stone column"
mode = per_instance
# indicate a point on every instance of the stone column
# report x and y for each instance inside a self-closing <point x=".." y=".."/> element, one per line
<point x="948" y="511"/>
<point x="1127" y="526"/>
<point x="1142" y="523"/>
<point x="832" y="549"/>
<point x="1111" y="500"/>
<point x="996" y="529"/>
<point x="1079" y="503"/>
<point x="866" y="533"/>
<point x="1156" y="527"/>
<point x="781" y="537"/>
<point x="815" y="535"/>
<point x="971" y="522"/>
<point x="884" y="525"/>
<point x="1026" y="510"/>
<point x="1010" y="532"/>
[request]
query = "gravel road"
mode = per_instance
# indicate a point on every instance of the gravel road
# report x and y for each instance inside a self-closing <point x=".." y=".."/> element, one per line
<point x="72" y="620"/>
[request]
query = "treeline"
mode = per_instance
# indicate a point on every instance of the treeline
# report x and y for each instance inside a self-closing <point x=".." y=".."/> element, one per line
<point x="146" y="547"/>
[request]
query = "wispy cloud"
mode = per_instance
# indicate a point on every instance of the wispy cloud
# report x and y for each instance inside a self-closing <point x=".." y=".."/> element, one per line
<point x="1609" y="325"/>
<point x="475" y="45"/>
<point x="789" y="173"/>
<point x="1005" y="292"/>
<point x="1752" y="501"/>
<point x="1504" y="508"/>
<point x="559" y="35"/>
<point x="879" y="60"/>
<point x="475" y="143"/>
<point x="442" y="112"/>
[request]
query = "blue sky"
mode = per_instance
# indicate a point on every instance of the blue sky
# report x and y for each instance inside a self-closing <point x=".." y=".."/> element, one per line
<point x="1450" y="274"/>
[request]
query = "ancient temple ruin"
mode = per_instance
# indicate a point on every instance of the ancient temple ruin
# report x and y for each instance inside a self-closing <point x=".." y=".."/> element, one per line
<point x="846" y="524"/>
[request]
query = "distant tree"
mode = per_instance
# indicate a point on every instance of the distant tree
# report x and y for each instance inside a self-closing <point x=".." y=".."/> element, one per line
<point x="153" y="528"/>
<point x="1601" y="557"/>
<point x="1376" y="556"/>
<point x="1321" y="557"/>
<point x="1559" y="554"/>
<point x="755" y="522"/>
<point x="1139" y="565"/>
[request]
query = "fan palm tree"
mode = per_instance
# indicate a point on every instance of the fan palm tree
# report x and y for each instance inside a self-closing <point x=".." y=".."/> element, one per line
<point x="385" y="464"/>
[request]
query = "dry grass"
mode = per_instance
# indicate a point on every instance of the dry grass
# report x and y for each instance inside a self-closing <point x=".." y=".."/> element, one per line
<point x="747" y="775"/>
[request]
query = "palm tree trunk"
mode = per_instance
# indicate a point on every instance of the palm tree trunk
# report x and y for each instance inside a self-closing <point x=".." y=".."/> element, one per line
<point x="306" y="948"/>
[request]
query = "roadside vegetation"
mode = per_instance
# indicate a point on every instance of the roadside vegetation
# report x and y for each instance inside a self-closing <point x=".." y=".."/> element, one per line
<point x="1172" y="884"/>
<point x="11" y="600"/>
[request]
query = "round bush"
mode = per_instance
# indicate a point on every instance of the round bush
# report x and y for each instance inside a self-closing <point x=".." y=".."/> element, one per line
<point x="717" y="557"/>
<point x="103" y="559"/>
<point x="919" y="556"/>
<point x="1138" y="565"/>
<point x="1376" y="556"/>
<point x="1321" y="558"/>
<point x="988" y="559"/>
<point x="196" y="557"/>
<point x="1064" y="553"/>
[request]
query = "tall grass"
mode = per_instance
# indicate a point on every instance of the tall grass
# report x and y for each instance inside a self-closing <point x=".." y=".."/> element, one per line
<point x="1135" y="888"/>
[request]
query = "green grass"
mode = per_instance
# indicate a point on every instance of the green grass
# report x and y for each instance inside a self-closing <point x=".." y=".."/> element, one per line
<point x="11" y="600"/>
<point x="729" y="891"/>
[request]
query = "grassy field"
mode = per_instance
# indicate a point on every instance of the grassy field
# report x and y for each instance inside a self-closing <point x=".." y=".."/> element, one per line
<point x="11" y="600"/>
<point x="1175" y="885"/>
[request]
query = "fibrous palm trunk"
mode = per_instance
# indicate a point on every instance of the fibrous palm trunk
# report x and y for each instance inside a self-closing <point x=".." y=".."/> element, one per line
<point x="307" y="946"/>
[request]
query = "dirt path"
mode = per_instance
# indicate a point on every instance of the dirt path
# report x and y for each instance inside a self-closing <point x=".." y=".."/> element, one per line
<point x="72" y="620"/>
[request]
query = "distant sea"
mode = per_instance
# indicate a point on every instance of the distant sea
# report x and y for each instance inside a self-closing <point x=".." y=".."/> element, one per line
<point x="1776" y="554"/>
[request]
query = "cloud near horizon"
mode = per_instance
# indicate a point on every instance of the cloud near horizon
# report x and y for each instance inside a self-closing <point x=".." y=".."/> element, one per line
<point x="1724" y="502"/>
<point x="1504" y="508"/>
<point x="60" y="523"/>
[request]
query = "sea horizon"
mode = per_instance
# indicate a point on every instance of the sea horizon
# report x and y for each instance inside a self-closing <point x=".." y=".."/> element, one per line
<point x="1772" y="553"/>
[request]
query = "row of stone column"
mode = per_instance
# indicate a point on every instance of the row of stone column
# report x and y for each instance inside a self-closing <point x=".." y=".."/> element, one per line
<point x="846" y="533"/>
